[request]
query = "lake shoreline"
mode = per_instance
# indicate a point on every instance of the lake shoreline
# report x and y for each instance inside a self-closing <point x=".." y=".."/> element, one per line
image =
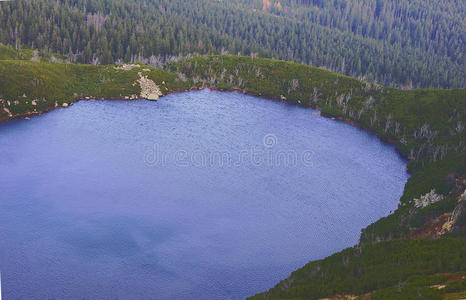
<point x="109" y="141"/>
<point x="232" y="89"/>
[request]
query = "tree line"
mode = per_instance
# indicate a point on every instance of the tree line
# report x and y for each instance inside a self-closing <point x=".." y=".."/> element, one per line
<point x="398" y="42"/>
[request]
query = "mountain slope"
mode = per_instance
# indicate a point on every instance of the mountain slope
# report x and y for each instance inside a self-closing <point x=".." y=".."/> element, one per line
<point x="396" y="43"/>
<point x="400" y="269"/>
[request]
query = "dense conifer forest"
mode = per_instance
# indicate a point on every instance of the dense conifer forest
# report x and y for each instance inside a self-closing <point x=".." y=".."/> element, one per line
<point x="398" y="43"/>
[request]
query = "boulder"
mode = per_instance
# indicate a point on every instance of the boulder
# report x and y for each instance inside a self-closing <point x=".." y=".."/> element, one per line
<point x="427" y="199"/>
<point x="149" y="90"/>
<point x="8" y="112"/>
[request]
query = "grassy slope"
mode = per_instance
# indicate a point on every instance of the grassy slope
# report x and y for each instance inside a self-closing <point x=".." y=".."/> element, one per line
<point x="398" y="269"/>
<point x="422" y="124"/>
<point x="52" y="84"/>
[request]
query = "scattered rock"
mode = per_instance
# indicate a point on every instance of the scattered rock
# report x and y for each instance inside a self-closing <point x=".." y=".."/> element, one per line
<point x="341" y="297"/>
<point x="8" y="111"/>
<point x="438" y="286"/>
<point x="149" y="90"/>
<point x="427" y="199"/>
<point x="456" y="214"/>
<point x="462" y="197"/>
<point x="35" y="56"/>
<point x="434" y="228"/>
<point x="126" y="67"/>
<point x="34" y="102"/>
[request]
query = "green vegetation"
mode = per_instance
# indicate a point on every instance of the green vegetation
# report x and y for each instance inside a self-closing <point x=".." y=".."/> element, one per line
<point x="399" y="269"/>
<point x="9" y="53"/>
<point x="414" y="43"/>
<point x="29" y="87"/>
<point x="425" y="125"/>
<point x="440" y="176"/>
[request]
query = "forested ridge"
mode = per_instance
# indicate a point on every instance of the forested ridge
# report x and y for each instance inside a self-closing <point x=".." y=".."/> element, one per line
<point x="399" y="43"/>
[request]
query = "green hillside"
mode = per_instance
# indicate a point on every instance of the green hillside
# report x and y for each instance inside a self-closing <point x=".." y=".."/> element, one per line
<point x="415" y="43"/>
<point x="399" y="269"/>
<point x="28" y="87"/>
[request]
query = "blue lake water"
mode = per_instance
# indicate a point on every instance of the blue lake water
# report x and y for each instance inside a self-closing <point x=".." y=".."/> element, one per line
<point x="201" y="195"/>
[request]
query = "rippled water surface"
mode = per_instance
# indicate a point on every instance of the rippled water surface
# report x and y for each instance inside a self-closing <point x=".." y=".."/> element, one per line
<point x="201" y="195"/>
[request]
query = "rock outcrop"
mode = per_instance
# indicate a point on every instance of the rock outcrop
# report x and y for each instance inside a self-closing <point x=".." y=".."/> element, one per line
<point x="126" y="67"/>
<point x="427" y="199"/>
<point x="7" y="111"/>
<point x="149" y="90"/>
